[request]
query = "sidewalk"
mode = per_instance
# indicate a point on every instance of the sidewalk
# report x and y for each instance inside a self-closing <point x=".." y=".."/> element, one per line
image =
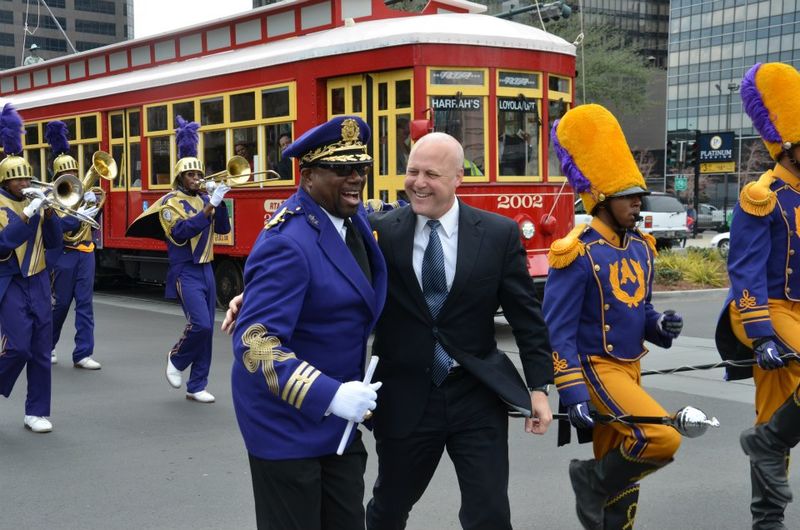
<point x="703" y="240"/>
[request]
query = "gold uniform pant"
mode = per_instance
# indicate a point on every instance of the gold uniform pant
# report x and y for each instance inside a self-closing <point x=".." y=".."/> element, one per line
<point x="773" y="387"/>
<point x="615" y="388"/>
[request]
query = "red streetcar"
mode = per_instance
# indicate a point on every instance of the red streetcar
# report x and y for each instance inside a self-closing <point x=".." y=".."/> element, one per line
<point x="254" y="81"/>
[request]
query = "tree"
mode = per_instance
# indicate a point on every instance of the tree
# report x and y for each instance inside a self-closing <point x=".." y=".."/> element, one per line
<point x="613" y="73"/>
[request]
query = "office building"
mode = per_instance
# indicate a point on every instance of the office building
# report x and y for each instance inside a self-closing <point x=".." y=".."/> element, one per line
<point x="88" y="24"/>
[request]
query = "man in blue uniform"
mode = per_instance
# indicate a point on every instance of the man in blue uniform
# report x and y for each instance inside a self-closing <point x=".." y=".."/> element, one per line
<point x="315" y="284"/>
<point x="598" y="311"/>
<point x="761" y="315"/>
<point x="188" y="219"/>
<point x="25" y="312"/>
<point x="73" y="267"/>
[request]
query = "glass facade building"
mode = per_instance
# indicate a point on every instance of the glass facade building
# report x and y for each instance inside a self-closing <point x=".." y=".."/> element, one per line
<point x="644" y="22"/>
<point x="711" y="46"/>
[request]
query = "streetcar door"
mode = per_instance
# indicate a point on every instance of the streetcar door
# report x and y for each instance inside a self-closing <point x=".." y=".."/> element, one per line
<point x="125" y="147"/>
<point x="383" y="100"/>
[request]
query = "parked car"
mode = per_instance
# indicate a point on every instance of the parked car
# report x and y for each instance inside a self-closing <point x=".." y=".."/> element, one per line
<point x="722" y="243"/>
<point x="710" y="217"/>
<point x="663" y="217"/>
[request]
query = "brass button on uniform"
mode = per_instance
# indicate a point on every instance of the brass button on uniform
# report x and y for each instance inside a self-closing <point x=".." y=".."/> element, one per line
<point x="791" y="252"/>
<point x="597" y="267"/>
<point x="606" y="307"/>
<point x="610" y="348"/>
<point x="788" y="271"/>
<point x="602" y="242"/>
<point x="607" y="327"/>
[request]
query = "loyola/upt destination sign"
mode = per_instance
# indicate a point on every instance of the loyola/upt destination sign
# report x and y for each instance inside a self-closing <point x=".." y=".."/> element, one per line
<point x="716" y="152"/>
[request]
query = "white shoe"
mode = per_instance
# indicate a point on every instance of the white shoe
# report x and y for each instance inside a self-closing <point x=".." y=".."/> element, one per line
<point x="53" y="357"/>
<point x="87" y="363"/>
<point x="173" y="374"/>
<point x="204" y="396"/>
<point x="38" y="424"/>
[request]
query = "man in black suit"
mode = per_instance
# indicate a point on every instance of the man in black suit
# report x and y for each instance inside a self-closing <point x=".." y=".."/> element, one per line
<point x="445" y="383"/>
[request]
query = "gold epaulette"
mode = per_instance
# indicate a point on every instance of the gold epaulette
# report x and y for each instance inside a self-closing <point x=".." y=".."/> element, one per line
<point x="757" y="198"/>
<point x="650" y="240"/>
<point x="564" y="251"/>
<point x="279" y="217"/>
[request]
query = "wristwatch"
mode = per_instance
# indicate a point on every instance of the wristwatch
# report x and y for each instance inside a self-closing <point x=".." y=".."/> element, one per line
<point x="544" y="388"/>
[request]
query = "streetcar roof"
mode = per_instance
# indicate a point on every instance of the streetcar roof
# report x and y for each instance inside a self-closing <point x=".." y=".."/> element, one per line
<point x="456" y="29"/>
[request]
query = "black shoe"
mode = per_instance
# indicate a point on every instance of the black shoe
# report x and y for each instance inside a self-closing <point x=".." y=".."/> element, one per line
<point x="766" y="509"/>
<point x="589" y="500"/>
<point x="768" y="462"/>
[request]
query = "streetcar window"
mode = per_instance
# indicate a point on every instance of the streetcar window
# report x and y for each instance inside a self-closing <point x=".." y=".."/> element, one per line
<point x="243" y="107"/>
<point x="160" y="169"/>
<point x="245" y="144"/>
<point x="89" y="127"/>
<point x="157" y="118"/>
<point x="383" y="134"/>
<point x="117" y="126"/>
<point x="402" y="142"/>
<point x="35" y="160"/>
<point x="71" y="129"/>
<point x="133" y="124"/>
<point x="356" y="91"/>
<point x="118" y="154"/>
<point x="558" y="84"/>
<point x="337" y="101"/>
<point x="134" y="169"/>
<point x="462" y="118"/>
<point x="184" y="109"/>
<point x="457" y="77"/>
<point x="31" y="134"/>
<point x="275" y="102"/>
<point x="402" y="94"/>
<point x="279" y="136"/>
<point x="87" y="150"/>
<point x="383" y="96"/>
<point x="214" y="151"/>
<point x="556" y="109"/>
<point x="518" y="141"/>
<point x="212" y="111"/>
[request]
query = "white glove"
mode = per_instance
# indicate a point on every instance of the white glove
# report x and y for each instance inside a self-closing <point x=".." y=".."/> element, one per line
<point x="219" y="194"/>
<point x="353" y="400"/>
<point x="211" y="186"/>
<point x="33" y="207"/>
<point x="89" y="196"/>
<point x="34" y="193"/>
<point x="89" y="211"/>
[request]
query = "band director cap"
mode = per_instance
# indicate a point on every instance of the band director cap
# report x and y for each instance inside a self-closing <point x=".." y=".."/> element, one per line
<point x="594" y="155"/>
<point x="57" y="135"/>
<point x="186" y="138"/>
<point x="13" y="166"/>
<point x="770" y="92"/>
<point x="339" y="141"/>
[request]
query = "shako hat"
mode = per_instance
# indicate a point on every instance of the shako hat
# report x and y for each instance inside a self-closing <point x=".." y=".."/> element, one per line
<point x="187" y="138"/>
<point x="13" y="166"/>
<point x="769" y="92"/>
<point x="56" y="134"/>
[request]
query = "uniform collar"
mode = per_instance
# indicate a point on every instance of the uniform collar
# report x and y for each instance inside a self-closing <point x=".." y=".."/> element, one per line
<point x="787" y="176"/>
<point x="606" y="232"/>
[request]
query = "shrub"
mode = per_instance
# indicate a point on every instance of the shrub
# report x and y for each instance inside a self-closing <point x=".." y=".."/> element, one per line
<point x="668" y="276"/>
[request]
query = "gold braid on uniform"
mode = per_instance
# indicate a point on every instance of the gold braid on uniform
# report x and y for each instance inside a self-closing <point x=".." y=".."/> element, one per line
<point x="650" y="240"/>
<point x="565" y="250"/>
<point x="169" y="216"/>
<point x="263" y="350"/>
<point x="756" y="198"/>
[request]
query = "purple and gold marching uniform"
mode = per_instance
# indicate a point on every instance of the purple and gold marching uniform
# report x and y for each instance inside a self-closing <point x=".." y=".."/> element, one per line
<point x="25" y="312"/>
<point x="598" y="310"/>
<point x="73" y="278"/>
<point x="761" y="316"/>
<point x="189" y="234"/>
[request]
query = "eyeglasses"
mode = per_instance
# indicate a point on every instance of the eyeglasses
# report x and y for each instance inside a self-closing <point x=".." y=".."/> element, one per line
<point x="346" y="170"/>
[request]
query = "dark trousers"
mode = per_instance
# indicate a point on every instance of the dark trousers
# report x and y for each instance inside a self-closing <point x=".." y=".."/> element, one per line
<point x="198" y="295"/>
<point x="323" y="493"/>
<point x="73" y="278"/>
<point x="466" y="418"/>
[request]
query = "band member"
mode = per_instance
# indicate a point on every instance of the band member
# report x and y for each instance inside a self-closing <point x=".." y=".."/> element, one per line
<point x="761" y="316"/>
<point x="315" y="284"/>
<point x="73" y="265"/>
<point x="25" y="312"/>
<point x="187" y="220"/>
<point x="598" y="311"/>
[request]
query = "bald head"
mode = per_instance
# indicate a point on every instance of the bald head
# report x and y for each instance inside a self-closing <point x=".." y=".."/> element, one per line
<point x="448" y="145"/>
<point x="435" y="169"/>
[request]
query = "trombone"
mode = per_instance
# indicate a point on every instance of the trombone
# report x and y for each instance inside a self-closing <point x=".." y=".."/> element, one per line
<point x="63" y="195"/>
<point x="237" y="173"/>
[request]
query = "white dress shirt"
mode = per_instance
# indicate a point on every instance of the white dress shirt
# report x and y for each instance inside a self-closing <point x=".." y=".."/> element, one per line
<point x="338" y="223"/>
<point x="448" y="235"/>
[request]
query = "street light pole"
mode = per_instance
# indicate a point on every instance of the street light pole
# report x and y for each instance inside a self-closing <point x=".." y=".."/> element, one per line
<point x="732" y="87"/>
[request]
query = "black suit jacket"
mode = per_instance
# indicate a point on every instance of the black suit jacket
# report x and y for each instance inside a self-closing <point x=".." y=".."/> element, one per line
<point x="491" y="271"/>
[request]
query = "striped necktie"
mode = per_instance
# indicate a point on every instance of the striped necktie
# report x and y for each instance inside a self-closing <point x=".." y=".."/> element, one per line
<point x="434" y="287"/>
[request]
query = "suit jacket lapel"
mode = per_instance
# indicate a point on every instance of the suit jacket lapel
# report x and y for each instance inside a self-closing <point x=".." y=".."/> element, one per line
<point x="403" y="250"/>
<point x="470" y="237"/>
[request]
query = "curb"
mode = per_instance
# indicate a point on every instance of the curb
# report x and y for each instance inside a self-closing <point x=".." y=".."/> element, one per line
<point x="676" y="294"/>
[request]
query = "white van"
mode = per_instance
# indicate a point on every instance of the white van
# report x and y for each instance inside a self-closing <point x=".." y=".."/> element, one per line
<point x="663" y="217"/>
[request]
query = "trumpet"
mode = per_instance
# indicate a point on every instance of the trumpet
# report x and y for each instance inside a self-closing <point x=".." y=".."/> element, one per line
<point x="237" y="173"/>
<point x="103" y="166"/>
<point x="64" y="195"/>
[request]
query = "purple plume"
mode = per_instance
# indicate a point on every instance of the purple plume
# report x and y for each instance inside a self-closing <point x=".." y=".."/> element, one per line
<point x="576" y="179"/>
<point x="56" y="134"/>
<point x="186" y="137"/>
<point x="11" y="130"/>
<point x="755" y="108"/>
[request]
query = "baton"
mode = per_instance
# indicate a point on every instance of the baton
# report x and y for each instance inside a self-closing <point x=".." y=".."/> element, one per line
<point x="373" y="363"/>
<point x="722" y="364"/>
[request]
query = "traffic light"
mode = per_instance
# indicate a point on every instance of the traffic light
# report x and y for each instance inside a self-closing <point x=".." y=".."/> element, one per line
<point x="673" y="154"/>
<point x="692" y="153"/>
<point x="555" y="10"/>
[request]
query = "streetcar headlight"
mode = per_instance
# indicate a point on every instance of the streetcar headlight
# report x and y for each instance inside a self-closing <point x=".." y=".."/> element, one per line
<point x="528" y="229"/>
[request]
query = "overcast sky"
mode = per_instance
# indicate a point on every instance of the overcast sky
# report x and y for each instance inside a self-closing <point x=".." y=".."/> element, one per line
<point x="157" y="16"/>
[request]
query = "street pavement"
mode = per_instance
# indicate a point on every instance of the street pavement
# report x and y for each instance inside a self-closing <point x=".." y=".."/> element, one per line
<point x="129" y="452"/>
